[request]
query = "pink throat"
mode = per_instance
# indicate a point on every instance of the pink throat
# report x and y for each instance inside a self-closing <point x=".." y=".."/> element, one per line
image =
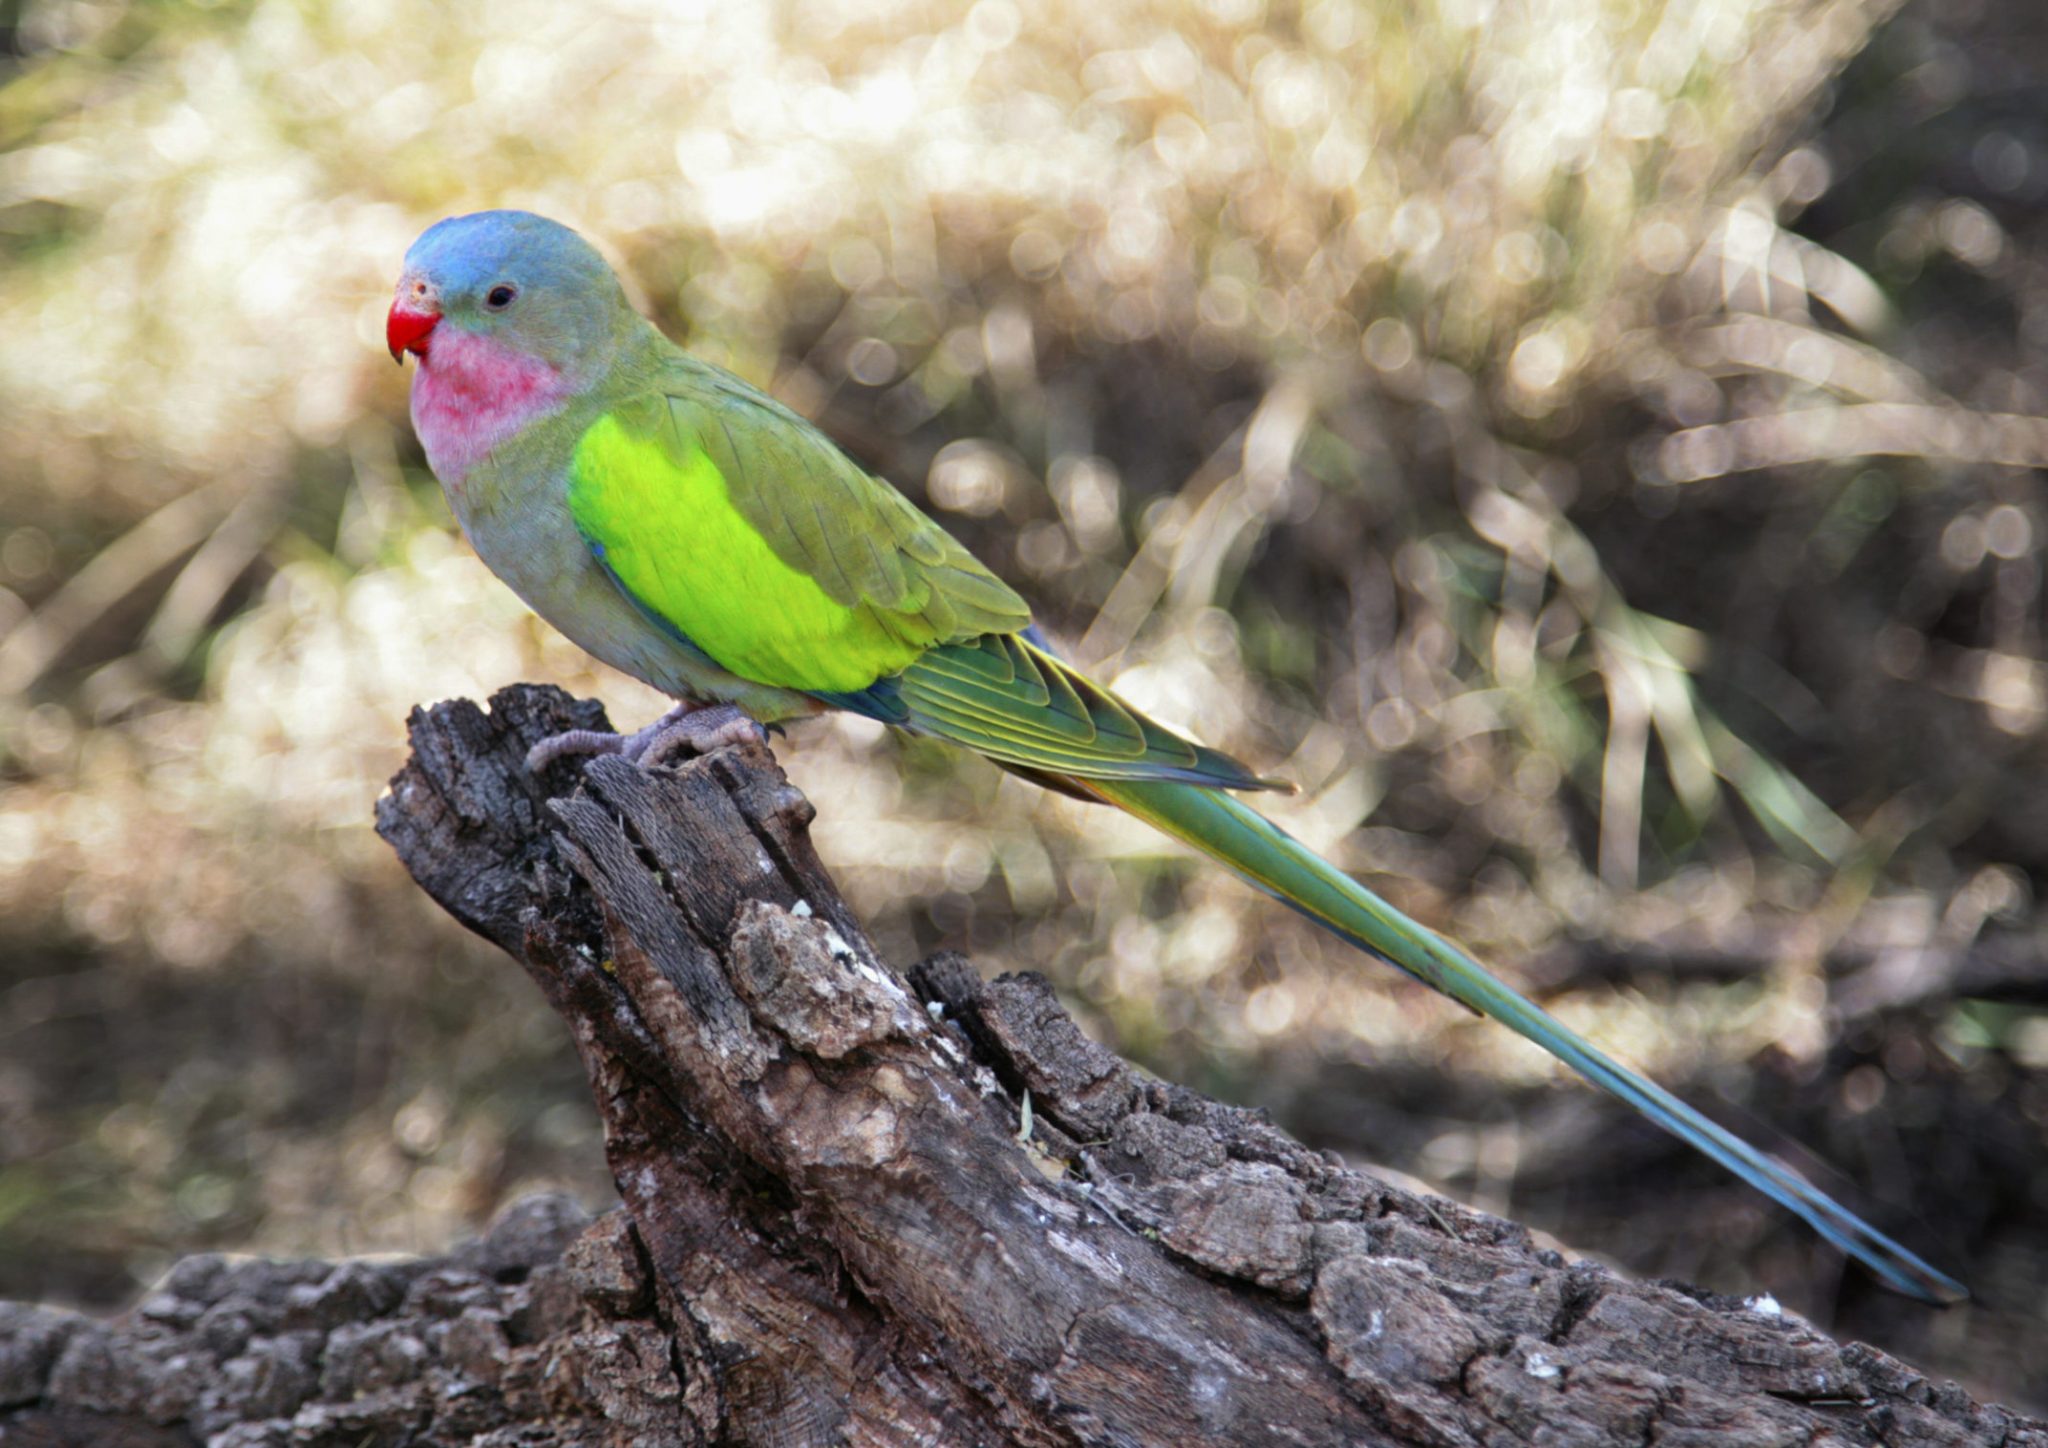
<point x="470" y="394"/>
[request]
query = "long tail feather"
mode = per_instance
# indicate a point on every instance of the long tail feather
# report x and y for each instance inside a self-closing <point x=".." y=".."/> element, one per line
<point x="1268" y="857"/>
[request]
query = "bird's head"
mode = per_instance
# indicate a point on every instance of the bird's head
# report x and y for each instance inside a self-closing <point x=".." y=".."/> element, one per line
<point x="528" y="284"/>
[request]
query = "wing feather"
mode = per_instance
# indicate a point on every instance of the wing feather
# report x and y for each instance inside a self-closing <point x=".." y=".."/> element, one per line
<point x="1024" y="708"/>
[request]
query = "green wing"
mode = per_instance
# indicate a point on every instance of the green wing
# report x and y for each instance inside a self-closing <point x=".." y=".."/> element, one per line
<point x="745" y="532"/>
<point x="739" y="526"/>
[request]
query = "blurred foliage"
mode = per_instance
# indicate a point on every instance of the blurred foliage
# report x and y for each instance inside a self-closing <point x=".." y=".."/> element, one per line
<point x="1590" y="446"/>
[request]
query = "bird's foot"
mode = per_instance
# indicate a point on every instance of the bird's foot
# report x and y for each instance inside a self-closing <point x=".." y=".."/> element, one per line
<point x="698" y="731"/>
<point x="686" y="729"/>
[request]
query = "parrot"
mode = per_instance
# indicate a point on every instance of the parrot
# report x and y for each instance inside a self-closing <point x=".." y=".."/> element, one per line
<point x="686" y="528"/>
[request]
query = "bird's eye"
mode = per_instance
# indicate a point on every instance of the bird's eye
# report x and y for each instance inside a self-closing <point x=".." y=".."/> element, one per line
<point x="500" y="297"/>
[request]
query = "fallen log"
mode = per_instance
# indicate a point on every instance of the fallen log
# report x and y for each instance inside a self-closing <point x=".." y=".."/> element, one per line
<point x="843" y="1223"/>
<point x="858" y="1233"/>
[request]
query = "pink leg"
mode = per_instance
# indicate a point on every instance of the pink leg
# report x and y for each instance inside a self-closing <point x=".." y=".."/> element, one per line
<point x="695" y="728"/>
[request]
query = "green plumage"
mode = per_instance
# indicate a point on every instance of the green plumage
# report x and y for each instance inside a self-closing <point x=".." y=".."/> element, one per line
<point x="737" y="523"/>
<point x="689" y="530"/>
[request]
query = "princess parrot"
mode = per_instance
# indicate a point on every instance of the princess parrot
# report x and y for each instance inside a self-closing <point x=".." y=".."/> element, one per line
<point x="682" y="526"/>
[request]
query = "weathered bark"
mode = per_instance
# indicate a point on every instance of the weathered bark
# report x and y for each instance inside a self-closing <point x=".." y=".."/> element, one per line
<point x="542" y="1334"/>
<point x="849" y="1237"/>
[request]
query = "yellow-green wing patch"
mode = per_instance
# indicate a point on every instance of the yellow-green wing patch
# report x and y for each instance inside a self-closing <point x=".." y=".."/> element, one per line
<point x="662" y="521"/>
<point x="824" y="515"/>
<point x="744" y="530"/>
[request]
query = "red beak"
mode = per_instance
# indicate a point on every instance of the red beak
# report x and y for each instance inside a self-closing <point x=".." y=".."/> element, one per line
<point x="408" y="331"/>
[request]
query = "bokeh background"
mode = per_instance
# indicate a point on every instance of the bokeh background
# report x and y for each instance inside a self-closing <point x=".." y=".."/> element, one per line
<point x="1591" y="445"/>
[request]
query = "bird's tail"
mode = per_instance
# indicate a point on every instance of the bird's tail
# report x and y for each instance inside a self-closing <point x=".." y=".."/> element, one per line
<point x="1268" y="857"/>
